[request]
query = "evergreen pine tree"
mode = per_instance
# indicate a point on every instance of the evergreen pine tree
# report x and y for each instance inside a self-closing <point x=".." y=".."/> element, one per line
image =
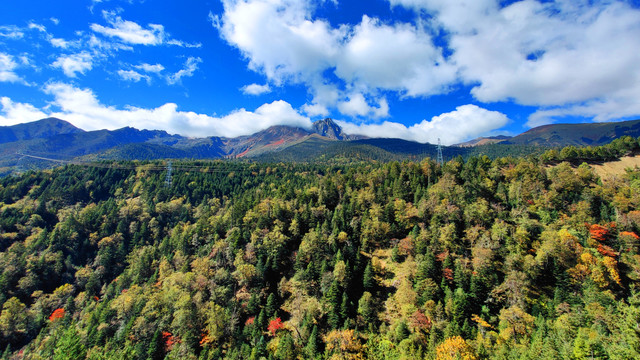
<point x="271" y="308"/>
<point x="311" y="350"/>
<point x="286" y="349"/>
<point x="7" y="352"/>
<point x="344" y="306"/>
<point x="334" y="301"/>
<point x="368" y="282"/>
<point x="155" y="350"/>
<point x="69" y="347"/>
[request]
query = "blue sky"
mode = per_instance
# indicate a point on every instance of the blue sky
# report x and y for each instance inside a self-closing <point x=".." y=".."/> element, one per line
<point x="413" y="69"/>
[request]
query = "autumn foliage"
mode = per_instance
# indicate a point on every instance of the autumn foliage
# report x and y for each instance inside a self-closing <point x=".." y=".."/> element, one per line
<point x="455" y="348"/>
<point x="275" y="325"/>
<point x="57" y="314"/>
<point x="210" y="263"/>
<point x="448" y="274"/>
<point x="601" y="232"/>
<point x="169" y="340"/>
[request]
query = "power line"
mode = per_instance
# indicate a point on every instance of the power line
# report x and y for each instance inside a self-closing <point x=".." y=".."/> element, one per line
<point x="205" y="168"/>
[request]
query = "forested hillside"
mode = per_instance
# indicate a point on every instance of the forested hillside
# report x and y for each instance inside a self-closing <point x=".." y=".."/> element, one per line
<point x="510" y="258"/>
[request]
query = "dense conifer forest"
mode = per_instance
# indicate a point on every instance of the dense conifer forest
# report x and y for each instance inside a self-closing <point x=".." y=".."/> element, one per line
<point x="505" y="258"/>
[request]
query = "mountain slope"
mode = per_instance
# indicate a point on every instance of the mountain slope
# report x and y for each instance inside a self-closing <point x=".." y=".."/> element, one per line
<point x="54" y="138"/>
<point x="329" y="129"/>
<point x="594" y="134"/>
<point x="40" y="129"/>
<point x="71" y="145"/>
<point x="484" y="141"/>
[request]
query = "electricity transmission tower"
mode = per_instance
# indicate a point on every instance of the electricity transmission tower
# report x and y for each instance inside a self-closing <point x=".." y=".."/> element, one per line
<point x="167" y="180"/>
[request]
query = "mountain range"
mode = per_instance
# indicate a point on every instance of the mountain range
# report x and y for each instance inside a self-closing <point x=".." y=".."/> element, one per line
<point x="21" y="145"/>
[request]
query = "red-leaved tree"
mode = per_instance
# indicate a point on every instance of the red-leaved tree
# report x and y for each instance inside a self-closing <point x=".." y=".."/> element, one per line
<point x="57" y="314"/>
<point x="275" y="325"/>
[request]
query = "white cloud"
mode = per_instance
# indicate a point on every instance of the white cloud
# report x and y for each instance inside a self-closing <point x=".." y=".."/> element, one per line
<point x="107" y="47"/>
<point x="129" y="31"/>
<point x="156" y="68"/>
<point x="357" y="106"/>
<point x="82" y="108"/>
<point x="278" y="37"/>
<point x="382" y="111"/>
<point x="183" y="44"/>
<point x="11" y="32"/>
<point x="613" y="108"/>
<point x="15" y="113"/>
<point x="60" y="43"/>
<point x="399" y="57"/>
<point x="572" y="57"/>
<point x="7" y="67"/>
<point x="190" y="66"/>
<point x="38" y="27"/>
<point x="282" y="40"/>
<point x="315" y="110"/>
<point x="55" y="20"/>
<point x="256" y="89"/>
<point x="75" y="63"/>
<point x="132" y="75"/>
<point x="558" y="54"/>
<point x="64" y="44"/>
<point x="133" y="33"/>
<point x="464" y="123"/>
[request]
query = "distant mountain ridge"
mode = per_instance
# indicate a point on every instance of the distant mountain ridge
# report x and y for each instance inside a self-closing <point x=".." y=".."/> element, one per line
<point x="560" y="135"/>
<point x="39" y="129"/>
<point x="55" y="138"/>
<point x="593" y="134"/>
<point x="484" y="141"/>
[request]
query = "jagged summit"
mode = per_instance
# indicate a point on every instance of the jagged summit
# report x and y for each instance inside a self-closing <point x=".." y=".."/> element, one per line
<point x="328" y="128"/>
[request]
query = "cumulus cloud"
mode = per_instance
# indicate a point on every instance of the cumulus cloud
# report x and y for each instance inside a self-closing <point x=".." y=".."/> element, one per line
<point x="190" y="66"/>
<point x="571" y="57"/>
<point x="282" y="40"/>
<point x="74" y="63"/>
<point x="256" y="89"/>
<point x="82" y="108"/>
<point x="357" y="106"/>
<point x="129" y="31"/>
<point x="7" y="67"/>
<point x="563" y="55"/>
<point x="464" y="123"/>
<point x="279" y="38"/>
<point x="396" y="57"/>
<point x="315" y="109"/>
<point x="13" y="113"/>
